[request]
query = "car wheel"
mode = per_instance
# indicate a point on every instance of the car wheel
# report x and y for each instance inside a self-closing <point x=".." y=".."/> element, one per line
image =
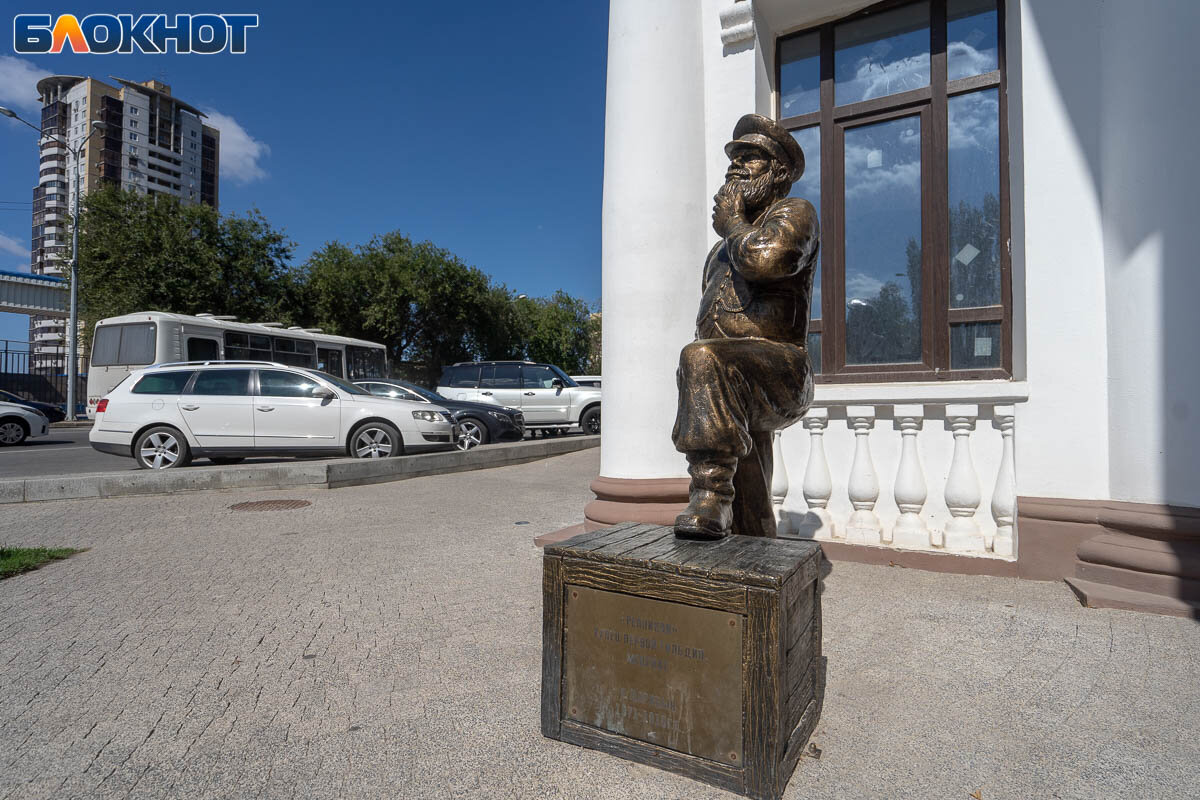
<point x="375" y="440"/>
<point x="12" y="431"/>
<point x="591" y="421"/>
<point x="161" y="448"/>
<point x="225" y="460"/>
<point x="471" y="433"/>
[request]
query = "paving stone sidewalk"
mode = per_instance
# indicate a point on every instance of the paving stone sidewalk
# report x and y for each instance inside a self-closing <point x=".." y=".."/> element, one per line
<point x="386" y="642"/>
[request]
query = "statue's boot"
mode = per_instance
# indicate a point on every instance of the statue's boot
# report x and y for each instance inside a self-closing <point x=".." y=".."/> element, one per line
<point x="709" y="513"/>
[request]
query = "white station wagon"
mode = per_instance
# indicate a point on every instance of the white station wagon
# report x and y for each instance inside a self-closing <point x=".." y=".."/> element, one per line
<point x="166" y="415"/>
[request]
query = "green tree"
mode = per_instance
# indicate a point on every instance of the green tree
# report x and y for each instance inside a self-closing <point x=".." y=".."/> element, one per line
<point x="149" y="253"/>
<point x="427" y="307"/>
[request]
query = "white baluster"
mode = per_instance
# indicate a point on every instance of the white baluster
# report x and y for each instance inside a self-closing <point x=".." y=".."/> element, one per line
<point x="962" y="484"/>
<point x="779" y="484"/>
<point x="863" y="486"/>
<point x="1004" y="496"/>
<point x="818" y="484"/>
<point x="910" y="491"/>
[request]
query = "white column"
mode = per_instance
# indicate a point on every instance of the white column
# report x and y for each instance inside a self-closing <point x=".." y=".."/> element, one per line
<point x="818" y="484"/>
<point x="863" y="486"/>
<point x="910" y="530"/>
<point x="779" y="484"/>
<point x="654" y="228"/>
<point x="1004" y="496"/>
<point x="962" y="484"/>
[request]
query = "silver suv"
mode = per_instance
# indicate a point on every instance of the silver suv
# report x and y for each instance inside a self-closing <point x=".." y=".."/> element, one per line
<point x="549" y="399"/>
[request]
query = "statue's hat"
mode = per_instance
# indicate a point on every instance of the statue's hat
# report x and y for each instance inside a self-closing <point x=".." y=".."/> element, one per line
<point x="755" y="130"/>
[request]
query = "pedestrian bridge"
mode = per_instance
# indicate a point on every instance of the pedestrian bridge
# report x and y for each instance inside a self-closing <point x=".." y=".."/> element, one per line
<point x="25" y="293"/>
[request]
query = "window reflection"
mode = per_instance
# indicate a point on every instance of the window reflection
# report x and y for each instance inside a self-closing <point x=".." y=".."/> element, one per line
<point x="800" y="75"/>
<point x="975" y="345"/>
<point x="971" y="38"/>
<point x="974" y="195"/>
<point x="882" y="244"/>
<point x="809" y="188"/>
<point x="882" y="54"/>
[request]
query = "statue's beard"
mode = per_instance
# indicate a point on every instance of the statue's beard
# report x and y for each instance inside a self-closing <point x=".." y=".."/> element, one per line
<point x="757" y="192"/>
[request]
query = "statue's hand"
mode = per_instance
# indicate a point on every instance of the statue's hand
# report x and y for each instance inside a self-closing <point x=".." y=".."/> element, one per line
<point x="729" y="208"/>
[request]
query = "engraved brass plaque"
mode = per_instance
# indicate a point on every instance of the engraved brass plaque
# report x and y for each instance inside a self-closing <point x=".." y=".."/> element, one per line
<point x="664" y="673"/>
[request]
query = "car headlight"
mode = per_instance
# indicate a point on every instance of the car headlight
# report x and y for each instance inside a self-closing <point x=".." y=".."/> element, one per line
<point x="427" y="416"/>
<point x="500" y="415"/>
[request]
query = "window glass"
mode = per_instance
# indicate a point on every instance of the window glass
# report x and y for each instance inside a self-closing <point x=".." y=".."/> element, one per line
<point x="222" y="382"/>
<point x="537" y="377"/>
<point x="277" y="383"/>
<point x="975" y="345"/>
<point x="127" y="345"/>
<point x="971" y="38"/>
<point x="882" y="245"/>
<point x="105" y="345"/>
<point x="809" y="188"/>
<point x="202" y="349"/>
<point x="462" y="377"/>
<point x="364" y="362"/>
<point x="881" y="54"/>
<point x="162" y="383"/>
<point x="800" y="75"/>
<point x="974" y="184"/>
<point x="504" y="376"/>
<point x="814" y="352"/>
<point x="247" y="347"/>
<point x="330" y="360"/>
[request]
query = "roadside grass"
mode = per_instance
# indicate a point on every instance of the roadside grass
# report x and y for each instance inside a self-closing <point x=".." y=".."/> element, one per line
<point x="15" y="560"/>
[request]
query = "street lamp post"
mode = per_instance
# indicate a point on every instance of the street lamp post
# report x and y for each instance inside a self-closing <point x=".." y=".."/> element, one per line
<point x="73" y="319"/>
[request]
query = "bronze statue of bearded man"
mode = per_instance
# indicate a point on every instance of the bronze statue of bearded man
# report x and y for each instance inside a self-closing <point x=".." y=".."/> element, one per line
<point x="747" y="374"/>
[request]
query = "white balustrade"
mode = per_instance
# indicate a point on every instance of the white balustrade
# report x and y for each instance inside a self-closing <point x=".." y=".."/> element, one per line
<point x="1004" y="495"/>
<point x="963" y="495"/>
<point x="863" y="526"/>
<point x="818" y="484"/>
<point x="779" y="484"/>
<point x="910" y="531"/>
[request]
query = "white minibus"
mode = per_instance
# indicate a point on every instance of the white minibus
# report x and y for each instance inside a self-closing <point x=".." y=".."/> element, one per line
<point x="125" y="343"/>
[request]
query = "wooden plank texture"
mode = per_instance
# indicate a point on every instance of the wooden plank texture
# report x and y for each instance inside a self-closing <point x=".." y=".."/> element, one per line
<point x="552" y="633"/>
<point x="644" y="583"/>
<point x="762" y="664"/>
<point x="700" y="769"/>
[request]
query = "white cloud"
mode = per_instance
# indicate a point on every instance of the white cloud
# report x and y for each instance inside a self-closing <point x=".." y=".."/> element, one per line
<point x="10" y="245"/>
<point x="974" y="121"/>
<point x="875" y="78"/>
<point x="862" y="286"/>
<point x="18" y="85"/>
<point x="240" y="152"/>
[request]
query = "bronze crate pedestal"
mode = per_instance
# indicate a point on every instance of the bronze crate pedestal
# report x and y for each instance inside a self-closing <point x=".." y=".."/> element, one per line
<point x="702" y="658"/>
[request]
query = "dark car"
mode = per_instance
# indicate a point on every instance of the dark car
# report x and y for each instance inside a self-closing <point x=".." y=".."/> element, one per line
<point x="478" y="423"/>
<point x="52" y="412"/>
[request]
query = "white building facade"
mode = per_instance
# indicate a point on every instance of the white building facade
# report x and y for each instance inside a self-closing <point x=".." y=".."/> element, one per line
<point x="150" y="142"/>
<point x="1003" y="318"/>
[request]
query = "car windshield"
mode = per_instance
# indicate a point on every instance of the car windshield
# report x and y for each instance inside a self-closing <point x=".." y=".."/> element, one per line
<point x="432" y="397"/>
<point x="348" y="388"/>
<point x="10" y="397"/>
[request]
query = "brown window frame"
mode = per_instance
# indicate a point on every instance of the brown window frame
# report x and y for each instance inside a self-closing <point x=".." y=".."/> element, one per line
<point x="931" y="103"/>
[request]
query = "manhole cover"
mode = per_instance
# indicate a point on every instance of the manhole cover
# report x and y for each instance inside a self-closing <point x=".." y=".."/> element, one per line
<point x="269" y="505"/>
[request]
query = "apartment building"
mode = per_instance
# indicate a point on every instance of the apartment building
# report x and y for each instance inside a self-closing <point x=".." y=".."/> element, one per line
<point x="150" y="142"/>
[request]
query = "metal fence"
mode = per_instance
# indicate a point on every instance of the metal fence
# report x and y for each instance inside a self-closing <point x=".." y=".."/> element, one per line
<point x="19" y="375"/>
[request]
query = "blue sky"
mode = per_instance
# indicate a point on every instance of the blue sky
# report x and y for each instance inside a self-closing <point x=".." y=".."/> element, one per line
<point x="478" y="128"/>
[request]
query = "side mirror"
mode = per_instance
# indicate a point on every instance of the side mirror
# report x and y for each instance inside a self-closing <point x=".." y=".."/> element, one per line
<point x="557" y="383"/>
<point x="322" y="392"/>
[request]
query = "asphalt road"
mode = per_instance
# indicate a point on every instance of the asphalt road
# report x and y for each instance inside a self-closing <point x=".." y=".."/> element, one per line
<point x="66" y="451"/>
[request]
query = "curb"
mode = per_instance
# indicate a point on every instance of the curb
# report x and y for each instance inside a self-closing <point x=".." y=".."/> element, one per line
<point x="331" y="474"/>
